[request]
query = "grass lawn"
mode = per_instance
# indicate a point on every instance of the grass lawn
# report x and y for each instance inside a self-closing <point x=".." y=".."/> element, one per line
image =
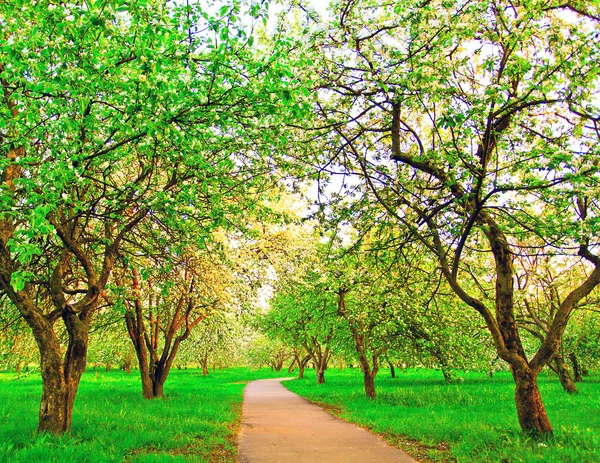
<point x="469" y="422"/>
<point x="197" y="421"/>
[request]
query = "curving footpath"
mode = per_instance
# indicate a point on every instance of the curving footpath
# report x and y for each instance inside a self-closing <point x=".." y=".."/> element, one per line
<point x="280" y="426"/>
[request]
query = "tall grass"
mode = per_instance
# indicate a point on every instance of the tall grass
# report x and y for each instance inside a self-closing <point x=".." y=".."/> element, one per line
<point x="471" y="421"/>
<point x="197" y="421"/>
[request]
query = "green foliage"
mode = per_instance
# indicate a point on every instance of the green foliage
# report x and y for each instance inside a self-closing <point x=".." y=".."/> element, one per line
<point x="468" y="417"/>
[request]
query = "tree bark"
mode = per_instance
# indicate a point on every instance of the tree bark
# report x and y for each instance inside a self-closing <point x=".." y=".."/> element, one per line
<point x="564" y="375"/>
<point x="320" y="376"/>
<point x="60" y="376"/>
<point x="532" y="414"/>
<point x="369" y="381"/>
<point x="302" y="365"/>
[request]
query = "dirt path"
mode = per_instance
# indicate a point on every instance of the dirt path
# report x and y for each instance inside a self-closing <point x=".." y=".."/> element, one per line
<point x="280" y="426"/>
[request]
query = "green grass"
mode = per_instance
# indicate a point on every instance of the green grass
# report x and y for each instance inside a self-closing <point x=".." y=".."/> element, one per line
<point x="197" y="421"/>
<point x="469" y="422"/>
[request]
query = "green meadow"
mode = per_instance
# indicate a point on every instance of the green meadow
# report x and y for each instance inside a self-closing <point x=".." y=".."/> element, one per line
<point x="471" y="421"/>
<point x="197" y="421"/>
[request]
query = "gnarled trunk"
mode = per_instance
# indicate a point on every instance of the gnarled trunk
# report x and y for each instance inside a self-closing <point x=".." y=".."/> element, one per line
<point x="532" y="414"/>
<point x="60" y="376"/>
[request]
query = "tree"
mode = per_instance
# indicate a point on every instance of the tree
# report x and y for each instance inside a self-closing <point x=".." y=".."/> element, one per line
<point x="540" y="287"/>
<point x="216" y="340"/>
<point x="304" y="317"/>
<point x="168" y="299"/>
<point x="464" y="122"/>
<point x="113" y="114"/>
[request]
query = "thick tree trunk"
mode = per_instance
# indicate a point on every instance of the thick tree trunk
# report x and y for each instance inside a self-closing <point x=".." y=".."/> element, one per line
<point x="147" y="389"/>
<point x="61" y="376"/>
<point x="564" y="375"/>
<point x="532" y="414"/>
<point x="158" y="387"/>
<point x="142" y="355"/>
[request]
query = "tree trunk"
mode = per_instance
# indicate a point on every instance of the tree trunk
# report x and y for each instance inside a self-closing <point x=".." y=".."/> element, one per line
<point x="127" y="360"/>
<point x="392" y="370"/>
<point x="291" y="367"/>
<point x="564" y="375"/>
<point x="369" y="380"/>
<point x="279" y="364"/>
<point x="447" y="375"/>
<point x="204" y="364"/>
<point x="158" y="387"/>
<point x="147" y="388"/>
<point x="320" y="376"/>
<point x="576" y="370"/>
<point x="368" y="372"/>
<point x="532" y="414"/>
<point x="302" y="365"/>
<point x="61" y="376"/>
<point x="108" y="366"/>
<point x="127" y="367"/>
<point x="301" y="371"/>
<point x="142" y="356"/>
